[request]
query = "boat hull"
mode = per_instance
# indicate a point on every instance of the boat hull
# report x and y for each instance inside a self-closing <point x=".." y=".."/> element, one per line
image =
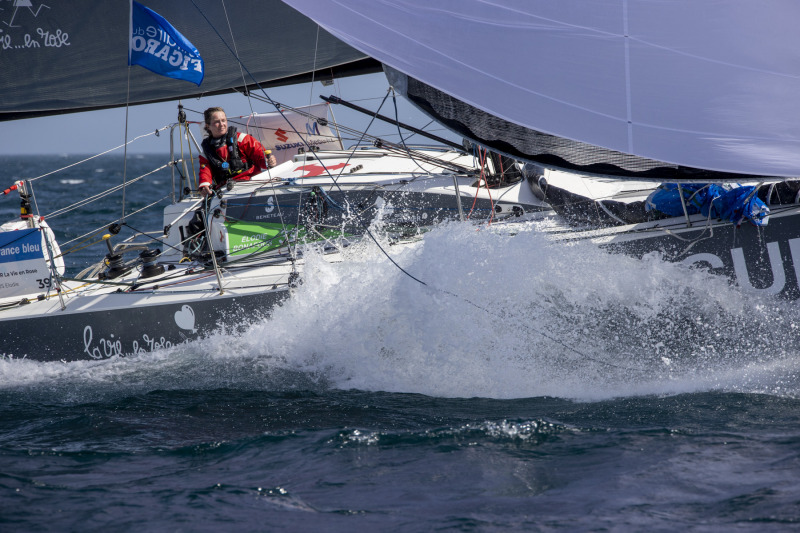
<point x="123" y="324"/>
<point x="763" y="260"/>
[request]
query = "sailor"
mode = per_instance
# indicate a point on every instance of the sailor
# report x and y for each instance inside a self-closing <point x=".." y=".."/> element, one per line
<point x="228" y="154"/>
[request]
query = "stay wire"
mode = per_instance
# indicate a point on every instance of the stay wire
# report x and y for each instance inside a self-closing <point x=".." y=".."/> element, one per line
<point x="358" y="215"/>
<point x="156" y="239"/>
<point x="313" y="68"/>
<point x="367" y="230"/>
<point x="102" y="194"/>
<point x="103" y="227"/>
<point x="235" y="49"/>
<point x="125" y="151"/>
<point x="259" y="134"/>
<point x="98" y="155"/>
<point x="400" y="133"/>
<point x="239" y="62"/>
<point x="242" y="65"/>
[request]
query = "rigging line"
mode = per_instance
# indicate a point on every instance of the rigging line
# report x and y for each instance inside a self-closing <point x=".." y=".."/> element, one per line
<point x="335" y="181"/>
<point x="235" y="55"/>
<point x="101" y="228"/>
<point x="33" y="195"/>
<point x="9" y="243"/>
<point x="78" y="247"/>
<point x="339" y="132"/>
<point x="391" y="146"/>
<point x="364" y="135"/>
<point x="103" y="194"/>
<point x="188" y="134"/>
<point x="400" y="133"/>
<point x="233" y="40"/>
<point x="239" y="62"/>
<point x="359" y="215"/>
<point x="87" y="201"/>
<point x="481" y="157"/>
<point x="313" y="68"/>
<point x="156" y="239"/>
<point x="125" y="151"/>
<point x="242" y="65"/>
<point x="98" y="155"/>
<point x="349" y="157"/>
<point x="491" y="201"/>
<point x="413" y="132"/>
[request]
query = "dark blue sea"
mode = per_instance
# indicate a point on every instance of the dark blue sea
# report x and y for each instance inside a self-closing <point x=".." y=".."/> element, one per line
<point x="527" y="386"/>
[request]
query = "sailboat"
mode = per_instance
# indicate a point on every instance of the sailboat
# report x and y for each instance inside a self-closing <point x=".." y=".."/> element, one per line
<point x="213" y="263"/>
<point x="673" y="92"/>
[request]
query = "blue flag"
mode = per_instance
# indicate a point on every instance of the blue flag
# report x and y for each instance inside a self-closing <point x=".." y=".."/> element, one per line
<point x="160" y="48"/>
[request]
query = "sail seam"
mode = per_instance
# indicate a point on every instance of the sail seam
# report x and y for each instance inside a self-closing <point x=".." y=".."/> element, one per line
<point x="626" y="41"/>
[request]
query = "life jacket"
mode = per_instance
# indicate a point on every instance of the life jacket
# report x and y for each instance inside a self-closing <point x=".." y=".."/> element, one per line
<point x="221" y="170"/>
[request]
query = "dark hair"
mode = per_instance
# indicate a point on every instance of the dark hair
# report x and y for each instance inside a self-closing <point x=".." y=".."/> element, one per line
<point x="207" y="116"/>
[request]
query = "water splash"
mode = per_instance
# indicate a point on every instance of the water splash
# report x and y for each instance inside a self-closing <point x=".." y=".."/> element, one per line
<point x="499" y="315"/>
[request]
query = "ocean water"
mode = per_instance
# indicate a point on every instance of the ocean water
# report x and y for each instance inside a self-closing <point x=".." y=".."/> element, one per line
<point x="524" y="387"/>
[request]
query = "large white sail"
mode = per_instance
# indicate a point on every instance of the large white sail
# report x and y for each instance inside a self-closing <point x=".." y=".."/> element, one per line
<point x="711" y="85"/>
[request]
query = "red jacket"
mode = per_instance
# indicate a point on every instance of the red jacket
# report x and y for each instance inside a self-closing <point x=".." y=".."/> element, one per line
<point x="250" y="150"/>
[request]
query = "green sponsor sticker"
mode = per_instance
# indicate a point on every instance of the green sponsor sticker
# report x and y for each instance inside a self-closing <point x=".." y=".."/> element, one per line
<point x="250" y="237"/>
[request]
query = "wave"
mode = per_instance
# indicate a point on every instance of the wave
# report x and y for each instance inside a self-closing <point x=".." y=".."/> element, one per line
<point x="490" y="315"/>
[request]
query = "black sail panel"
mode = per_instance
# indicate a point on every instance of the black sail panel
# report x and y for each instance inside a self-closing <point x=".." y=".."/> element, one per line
<point x="540" y="148"/>
<point x="61" y="56"/>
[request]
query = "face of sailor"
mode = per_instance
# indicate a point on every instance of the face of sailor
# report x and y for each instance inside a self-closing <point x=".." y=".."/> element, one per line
<point x="218" y="124"/>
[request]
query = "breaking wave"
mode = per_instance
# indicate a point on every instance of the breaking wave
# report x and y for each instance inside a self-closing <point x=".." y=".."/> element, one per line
<point x="490" y="314"/>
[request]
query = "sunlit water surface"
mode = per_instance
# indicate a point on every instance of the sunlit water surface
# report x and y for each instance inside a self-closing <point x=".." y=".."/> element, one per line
<point x="515" y="384"/>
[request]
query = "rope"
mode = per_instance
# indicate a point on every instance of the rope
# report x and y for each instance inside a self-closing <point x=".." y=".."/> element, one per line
<point x="102" y="194"/>
<point x="369" y="233"/>
<point x="118" y="220"/>
<point x="98" y="155"/>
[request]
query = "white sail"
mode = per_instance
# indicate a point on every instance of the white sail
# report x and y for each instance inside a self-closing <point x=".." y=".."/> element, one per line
<point x="712" y="85"/>
<point x="287" y="132"/>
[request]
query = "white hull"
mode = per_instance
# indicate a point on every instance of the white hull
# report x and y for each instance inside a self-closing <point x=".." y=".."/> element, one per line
<point x="105" y="314"/>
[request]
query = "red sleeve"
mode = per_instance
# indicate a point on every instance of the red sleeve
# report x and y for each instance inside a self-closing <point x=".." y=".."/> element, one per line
<point x="254" y="151"/>
<point x="205" y="172"/>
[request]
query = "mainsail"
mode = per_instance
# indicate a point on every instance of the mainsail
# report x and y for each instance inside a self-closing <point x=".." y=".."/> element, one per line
<point x="60" y="57"/>
<point x="699" y="85"/>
